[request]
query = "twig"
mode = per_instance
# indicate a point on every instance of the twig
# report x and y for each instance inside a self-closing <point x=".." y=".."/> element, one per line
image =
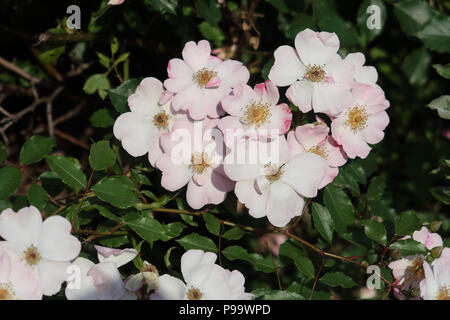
<point x="71" y="139"/>
<point x="16" y="69"/>
<point x="316" y="279"/>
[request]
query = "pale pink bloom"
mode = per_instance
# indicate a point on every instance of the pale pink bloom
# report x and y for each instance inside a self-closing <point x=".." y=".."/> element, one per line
<point x="273" y="185"/>
<point x="148" y="276"/>
<point x="362" y="121"/>
<point x="117" y="256"/>
<point x="92" y="281"/>
<point x="362" y="74"/>
<point x="46" y="247"/>
<point x="255" y="112"/>
<point x="194" y="157"/>
<point x="436" y="285"/>
<point x="17" y="281"/>
<point x="314" y="138"/>
<point x="203" y="280"/>
<point x="408" y="271"/>
<point x="318" y="77"/>
<point x="115" y="2"/>
<point x="429" y="239"/>
<point x="201" y="80"/>
<point x="139" y="130"/>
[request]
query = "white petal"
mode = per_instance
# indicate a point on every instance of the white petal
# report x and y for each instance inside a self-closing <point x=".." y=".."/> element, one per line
<point x="283" y="204"/>
<point x="170" y="288"/>
<point x="118" y="256"/>
<point x="51" y="275"/>
<point x="106" y="279"/>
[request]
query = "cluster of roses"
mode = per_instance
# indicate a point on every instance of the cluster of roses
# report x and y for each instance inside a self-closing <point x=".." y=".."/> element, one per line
<point x="207" y="129"/>
<point x="37" y="257"/>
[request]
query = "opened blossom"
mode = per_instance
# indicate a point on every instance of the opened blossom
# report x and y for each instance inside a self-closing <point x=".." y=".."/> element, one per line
<point x="199" y="81"/>
<point x="314" y="138"/>
<point x="17" y="281"/>
<point x="318" y="78"/>
<point x="255" y="112"/>
<point x="193" y="154"/>
<point x="270" y="184"/>
<point x="46" y="247"/>
<point x="139" y="130"/>
<point x="362" y="122"/>
<point x="436" y="285"/>
<point x="203" y="280"/>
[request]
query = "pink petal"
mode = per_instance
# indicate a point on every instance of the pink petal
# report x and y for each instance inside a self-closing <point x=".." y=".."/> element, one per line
<point x="300" y="94"/>
<point x="316" y="48"/>
<point x="196" y="55"/>
<point x="287" y="67"/>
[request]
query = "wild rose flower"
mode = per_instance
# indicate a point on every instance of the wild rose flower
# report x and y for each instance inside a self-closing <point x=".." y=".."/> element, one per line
<point x="17" y="281"/>
<point x="314" y="138"/>
<point x="194" y="158"/>
<point x="255" y="111"/>
<point x="201" y="80"/>
<point x="204" y="280"/>
<point x="100" y="281"/>
<point x="147" y="278"/>
<point x="362" y="74"/>
<point x="436" y="285"/>
<point x="273" y="185"/>
<point x="318" y="77"/>
<point x="408" y="271"/>
<point x="362" y="121"/>
<point x="139" y="130"/>
<point x="46" y="247"/>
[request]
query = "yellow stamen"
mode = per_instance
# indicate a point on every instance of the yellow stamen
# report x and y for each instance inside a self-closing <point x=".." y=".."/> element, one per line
<point x="161" y="120"/>
<point x="256" y="114"/>
<point x="315" y="73"/>
<point x="272" y="177"/>
<point x="199" y="162"/>
<point x="194" y="294"/>
<point x="357" y="118"/>
<point x="203" y="76"/>
<point x="32" y="255"/>
<point x="6" y="291"/>
<point x="444" y="293"/>
<point x="319" y="151"/>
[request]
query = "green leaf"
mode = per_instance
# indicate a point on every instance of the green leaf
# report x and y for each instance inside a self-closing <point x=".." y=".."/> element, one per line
<point x="302" y="263"/>
<point x="116" y="190"/>
<point x="323" y="221"/>
<point x="335" y="279"/>
<point x="212" y="223"/>
<point x="101" y="156"/>
<point x="97" y="83"/>
<point x="68" y="170"/>
<point x="196" y="241"/>
<point x="442" y="194"/>
<point x="114" y="45"/>
<point x="163" y="6"/>
<point x="37" y="196"/>
<point x="376" y="188"/>
<point x="212" y="33"/>
<point x="442" y="105"/>
<point x="10" y="178"/>
<point x="3" y="153"/>
<point x="104" y="60"/>
<point x="340" y="208"/>
<point x="375" y="230"/>
<point x="35" y="149"/>
<point x="346" y="31"/>
<point x="104" y="212"/>
<point x="209" y="11"/>
<point x="234" y="234"/>
<point x="300" y="22"/>
<point x="281" y="295"/>
<point x="259" y="263"/>
<point x="101" y="119"/>
<point x="407" y="223"/>
<point x="443" y="70"/>
<point x="412" y="15"/>
<point x="51" y="54"/>
<point x="119" y="96"/>
<point x="365" y="18"/>
<point x="149" y="229"/>
<point x="409" y="247"/>
<point x="415" y="66"/>
<point x="436" y="34"/>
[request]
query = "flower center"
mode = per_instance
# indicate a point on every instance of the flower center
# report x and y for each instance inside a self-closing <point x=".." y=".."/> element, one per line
<point x="161" y="120"/>
<point x="256" y="114"/>
<point x="203" y="76"/>
<point x="319" y="151"/>
<point x="32" y="255"/>
<point x="199" y="162"/>
<point x="148" y="267"/>
<point x="6" y="291"/>
<point x="357" y="118"/>
<point x="194" y="294"/>
<point x="444" y="293"/>
<point x="273" y="173"/>
<point x="315" y="73"/>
